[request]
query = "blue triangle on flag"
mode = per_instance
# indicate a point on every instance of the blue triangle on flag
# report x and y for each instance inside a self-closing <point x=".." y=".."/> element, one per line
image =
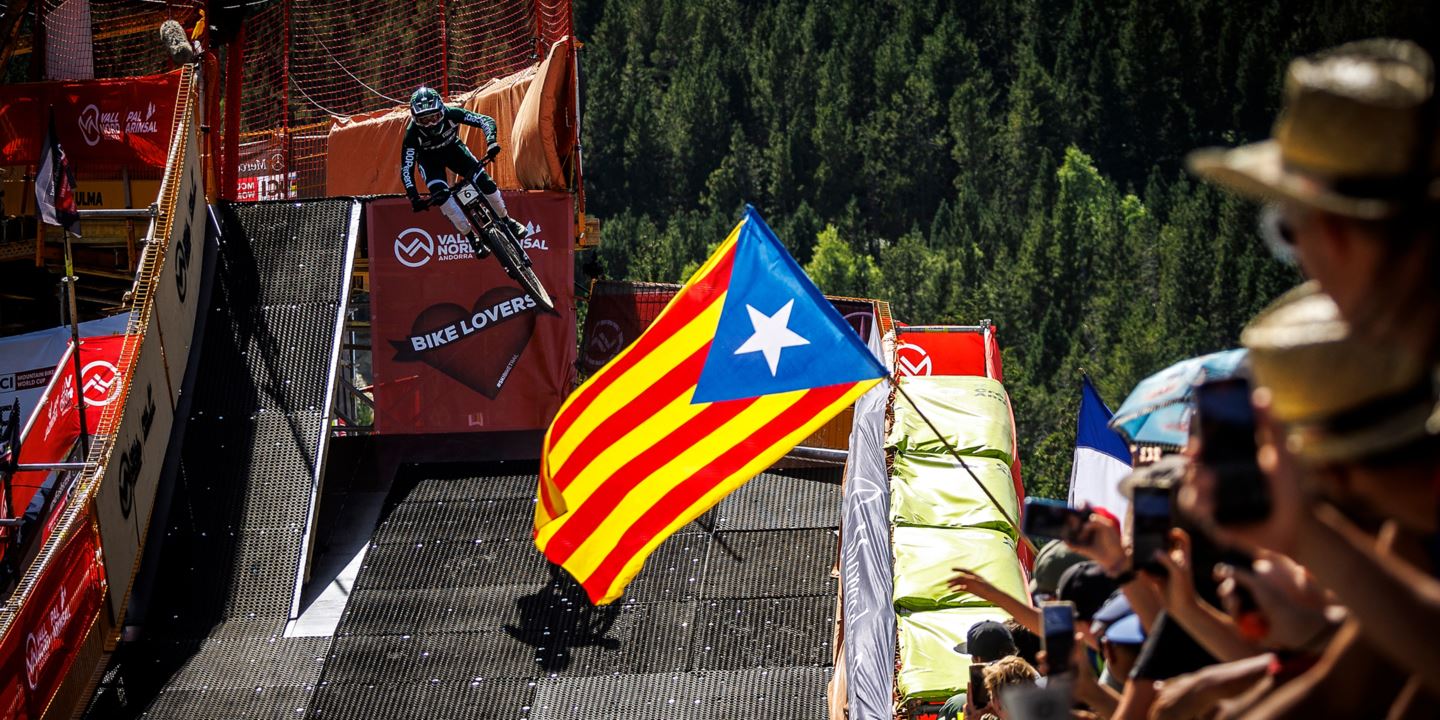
<point x="1092" y="429"/>
<point x="777" y="332"/>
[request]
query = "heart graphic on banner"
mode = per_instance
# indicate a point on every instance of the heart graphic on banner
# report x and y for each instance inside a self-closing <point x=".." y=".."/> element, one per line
<point x="478" y="347"/>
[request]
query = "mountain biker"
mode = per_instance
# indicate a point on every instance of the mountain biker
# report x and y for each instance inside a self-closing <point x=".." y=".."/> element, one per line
<point x="432" y="138"/>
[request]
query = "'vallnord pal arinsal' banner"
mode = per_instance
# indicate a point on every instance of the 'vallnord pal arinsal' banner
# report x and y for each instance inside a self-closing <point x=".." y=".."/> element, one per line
<point x="458" y="345"/>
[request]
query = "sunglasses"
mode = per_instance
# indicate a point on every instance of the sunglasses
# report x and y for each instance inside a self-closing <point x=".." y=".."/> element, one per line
<point x="429" y="119"/>
<point x="1278" y="233"/>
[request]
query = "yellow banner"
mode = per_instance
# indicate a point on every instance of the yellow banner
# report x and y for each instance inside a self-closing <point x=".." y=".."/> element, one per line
<point x="89" y="194"/>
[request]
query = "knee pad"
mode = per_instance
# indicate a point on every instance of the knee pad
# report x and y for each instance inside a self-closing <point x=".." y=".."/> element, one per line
<point x="452" y="210"/>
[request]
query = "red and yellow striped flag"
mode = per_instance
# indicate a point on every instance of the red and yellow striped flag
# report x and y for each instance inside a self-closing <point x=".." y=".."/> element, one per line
<point x="746" y="361"/>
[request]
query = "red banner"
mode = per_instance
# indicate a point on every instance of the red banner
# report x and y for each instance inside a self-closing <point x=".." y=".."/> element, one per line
<point x="56" y="424"/>
<point x="619" y="311"/>
<point x="45" y="637"/>
<point x="940" y="350"/>
<point x="101" y="123"/>
<point x="459" y="346"/>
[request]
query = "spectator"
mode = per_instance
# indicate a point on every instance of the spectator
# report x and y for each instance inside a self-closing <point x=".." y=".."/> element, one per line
<point x="1346" y="435"/>
<point x="1027" y="644"/>
<point x="1353" y="165"/>
<point x="1121" y="636"/>
<point x="1004" y="675"/>
<point x="985" y="642"/>
<point x="1089" y="588"/>
<point x="1050" y="563"/>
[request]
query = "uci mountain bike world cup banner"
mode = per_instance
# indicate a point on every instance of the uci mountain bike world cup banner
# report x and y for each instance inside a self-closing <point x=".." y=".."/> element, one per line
<point x="458" y="345"/>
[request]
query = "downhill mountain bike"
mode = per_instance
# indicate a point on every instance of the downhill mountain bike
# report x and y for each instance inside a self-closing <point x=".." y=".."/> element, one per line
<point x="495" y="235"/>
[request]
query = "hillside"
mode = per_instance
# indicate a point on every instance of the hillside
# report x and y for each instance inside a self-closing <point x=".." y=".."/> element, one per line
<point x="1020" y="161"/>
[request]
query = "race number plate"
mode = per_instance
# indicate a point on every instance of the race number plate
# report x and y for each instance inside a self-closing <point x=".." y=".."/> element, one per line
<point x="468" y="194"/>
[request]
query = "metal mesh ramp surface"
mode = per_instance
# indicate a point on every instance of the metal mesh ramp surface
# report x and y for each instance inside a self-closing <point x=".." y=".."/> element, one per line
<point x="455" y="614"/>
<point x="213" y="644"/>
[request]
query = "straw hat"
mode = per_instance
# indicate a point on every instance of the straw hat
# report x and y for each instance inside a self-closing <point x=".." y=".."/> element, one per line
<point x="1356" y="136"/>
<point x="1340" y="397"/>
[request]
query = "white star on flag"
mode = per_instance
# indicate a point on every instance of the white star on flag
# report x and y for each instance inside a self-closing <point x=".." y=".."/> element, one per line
<point x="771" y="335"/>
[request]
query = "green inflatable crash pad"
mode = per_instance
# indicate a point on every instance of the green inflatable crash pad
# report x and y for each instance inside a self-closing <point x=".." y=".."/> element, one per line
<point x="930" y="669"/>
<point x="925" y="558"/>
<point x="934" y="491"/>
<point x="972" y="412"/>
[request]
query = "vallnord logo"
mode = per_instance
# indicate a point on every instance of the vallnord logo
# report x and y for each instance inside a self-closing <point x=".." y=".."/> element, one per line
<point x="605" y="341"/>
<point x="414" y="247"/>
<point x="40" y="645"/>
<point x="101" y="383"/>
<point x="861" y="321"/>
<point x="90" y="125"/>
<point x="96" y="124"/>
<point x="913" y="360"/>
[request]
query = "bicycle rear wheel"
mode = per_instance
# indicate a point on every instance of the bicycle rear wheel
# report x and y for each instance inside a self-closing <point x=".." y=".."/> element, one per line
<point x="509" y="256"/>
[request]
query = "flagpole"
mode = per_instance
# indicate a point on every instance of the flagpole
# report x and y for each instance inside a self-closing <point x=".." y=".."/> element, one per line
<point x="956" y="454"/>
<point x="75" y="343"/>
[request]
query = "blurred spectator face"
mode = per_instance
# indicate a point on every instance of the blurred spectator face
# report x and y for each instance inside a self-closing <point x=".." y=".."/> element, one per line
<point x="1401" y="486"/>
<point x="1331" y="251"/>
<point x="1378" y="274"/>
<point x="1119" y="659"/>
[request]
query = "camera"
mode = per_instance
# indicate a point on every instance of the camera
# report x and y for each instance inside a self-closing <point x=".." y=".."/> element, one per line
<point x="979" y="695"/>
<point x="1057" y="621"/>
<point x="1225" y="422"/>
<point x="1150" y="532"/>
<point x="1052" y="519"/>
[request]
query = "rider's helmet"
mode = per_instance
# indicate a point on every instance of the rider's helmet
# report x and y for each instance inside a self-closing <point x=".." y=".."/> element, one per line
<point x="426" y="107"/>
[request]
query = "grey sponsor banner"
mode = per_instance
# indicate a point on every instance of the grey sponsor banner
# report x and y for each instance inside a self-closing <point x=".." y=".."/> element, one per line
<point x="127" y="492"/>
<point x="132" y="474"/>
<point x="177" y="289"/>
<point x="865" y="560"/>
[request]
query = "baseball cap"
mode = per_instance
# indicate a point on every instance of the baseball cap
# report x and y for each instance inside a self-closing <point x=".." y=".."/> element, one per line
<point x="987" y="639"/>
<point x="1053" y="560"/>
<point x="1086" y="585"/>
<point x="1126" y="631"/>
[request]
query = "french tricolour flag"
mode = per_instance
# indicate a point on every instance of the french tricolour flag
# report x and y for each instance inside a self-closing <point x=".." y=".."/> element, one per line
<point x="1102" y="459"/>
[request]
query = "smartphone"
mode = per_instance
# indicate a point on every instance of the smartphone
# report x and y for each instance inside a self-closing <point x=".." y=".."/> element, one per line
<point x="1225" y="421"/>
<point x="1057" y="621"/>
<point x="979" y="696"/>
<point x="1150" y="531"/>
<point x="1052" y="519"/>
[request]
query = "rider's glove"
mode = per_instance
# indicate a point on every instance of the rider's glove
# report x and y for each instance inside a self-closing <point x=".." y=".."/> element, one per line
<point x="492" y="151"/>
<point x="418" y="205"/>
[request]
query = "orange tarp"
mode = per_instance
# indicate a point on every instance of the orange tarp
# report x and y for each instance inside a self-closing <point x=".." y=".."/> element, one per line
<point x="542" y="134"/>
<point x="364" y="150"/>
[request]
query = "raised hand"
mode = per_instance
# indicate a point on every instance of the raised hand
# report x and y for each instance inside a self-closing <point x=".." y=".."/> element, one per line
<point x="1291" y="605"/>
<point x="1099" y="539"/>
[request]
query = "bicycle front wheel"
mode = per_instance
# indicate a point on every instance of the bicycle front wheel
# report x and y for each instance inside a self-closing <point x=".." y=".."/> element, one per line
<point x="509" y="256"/>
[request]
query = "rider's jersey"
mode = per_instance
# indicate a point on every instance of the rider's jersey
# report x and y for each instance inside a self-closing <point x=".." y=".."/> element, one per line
<point x="437" y="138"/>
